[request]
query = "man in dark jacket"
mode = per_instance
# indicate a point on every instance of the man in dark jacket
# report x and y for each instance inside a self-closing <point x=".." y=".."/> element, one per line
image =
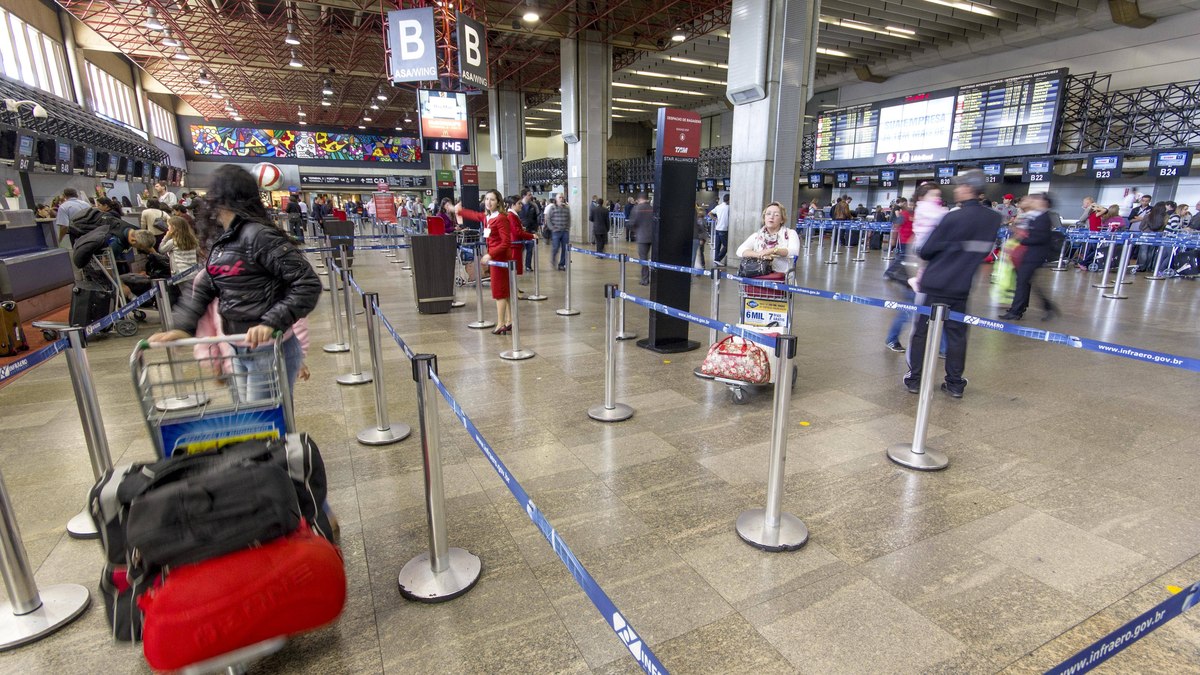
<point x="529" y="222"/>
<point x="1035" y="248"/>
<point x="641" y="223"/>
<point x="955" y="249"/>
<point x="295" y="219"/>
<point x="598" y="215"/>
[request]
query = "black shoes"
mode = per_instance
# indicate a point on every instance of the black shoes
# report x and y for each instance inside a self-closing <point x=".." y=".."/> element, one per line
<point x="1051" y="313"/>
<point x="912" y="386"/>
<point x="954" y="393"/>
<point x="895" y="346"/>
<point x="1009" y="316"/>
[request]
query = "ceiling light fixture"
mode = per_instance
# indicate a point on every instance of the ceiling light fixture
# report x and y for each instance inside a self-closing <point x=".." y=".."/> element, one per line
<point x="678" y="36"/>
<point x="696" y="62"/>
<point x="380" y="96"/>
<point x="361" y="127"/>
<point x="407" y="119"/>
<point x="898" y="29"/>
<point x="204" y="80"/>
<point x="300" y="112"/>
<point x="302" y="122"/>
<point x="325" y="102"/>
<point x="295" y="62"/>
<point x="374" y="106"/>
<point x="834" y="52"/>
<point x="327" y="87"/>
<point x="972" y="7"/>
<point x="399" y="129"/>
<point x="291" y="38"/>
<point x="859" y="25"/>
<point x="171" y="41"/>
<point x="531" y="16"/>
<point x="152" y="21"/>
<point x="367" y="119"/>
<point x="182" y="55"/>
<point x="237" y="118"/>
<point x="215" y="93"/>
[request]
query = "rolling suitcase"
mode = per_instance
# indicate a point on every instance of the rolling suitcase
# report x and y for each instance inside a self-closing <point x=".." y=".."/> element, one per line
<point x="12" y="338"/>
<point x="90" y="302"/>
<point x="200" y="611"/>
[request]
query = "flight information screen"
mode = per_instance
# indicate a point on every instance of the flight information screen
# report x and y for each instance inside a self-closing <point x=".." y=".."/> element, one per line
<point x="1008" y="113"/>
<point x="848" y="134"/>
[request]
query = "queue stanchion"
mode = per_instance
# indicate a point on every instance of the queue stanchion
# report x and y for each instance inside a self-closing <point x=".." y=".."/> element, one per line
<point x="443" y="572"/>
<point x="181" y="400"/>
<point x="568" y="310"/>
<point x="834" y="245"/>
<point x="807" y="236"/>
<point x="455" y="303"/>
<point x="356" y="374"/>
<point x="771" y="528"/>
<point x="1157" y="275"/>
<point x="714" y="310"/>
<point x="30" y="613"/>
<point x="388" y="234"/>
<point x="517" y="353"/>
<point x="1104" y="282"/>
<point x="1116" y="293"/>
<point x="915" y="455"/>
<point x="384" y="432"/>
<point x="1062" y="265"/>
<point x="888" y="254"/>
<point x="479" y="321"/>
<point x="537" y="279"/>
<point x="862" y="244"/>
<point x="610" y="410"/>
<point x="335" y="303"/>
<point x="622" y="333"/>
<point x="820" y="238"/>
<point x="324" y="268"/>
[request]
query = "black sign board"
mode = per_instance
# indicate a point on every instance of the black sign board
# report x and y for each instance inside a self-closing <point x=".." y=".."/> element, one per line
<point x="1171" y="163"/>
<point x="945" y="173"/>
<point x="728" y="184"/>
<point x="400" y="182"/>
<point x="472" y="52"/>
<point x="1038" y="170"/>
<point x="710" y="184"/>
<point x="816" y="181"/>
<point x="1104" y="166"/>
<point x="887" y="178"/>
<point x="841" y="179"/>
<point x="992" y="171"/>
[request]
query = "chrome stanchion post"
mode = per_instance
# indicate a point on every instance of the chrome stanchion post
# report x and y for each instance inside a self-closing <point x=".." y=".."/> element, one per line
<point x="1062" y="256"/>
<point x="443" y="572"/>
<point x="1157" y="275"/>
<point x="181" y="400"/>
<point x="610" y="410"/>
<point x="1104" y="282"/>
<point x="915" y="455"/>
<point x="537" y="279"/>
<point x="568" y="311"/>
<point x="335" y="304"/>
<point x="714" y="308"/>
<point x="356" y="374"/>
<point x="1116" y="293"/>
<point x="862" y="244"/>
<point x="888" y="254"/>
<point x="771" y="528"/>
<point x="622" y="334"/>
<point x="517" y="353"/>
<point x="326" y="257"/>
<point x="479" y="321"/>
<point x="81" y="526"/>
<point x="807" y="236"/>
<point x="29" y="614"/>
<point x="834" y="245"/>
<point x="820" y="237"/>
<point x="384" y="432"/>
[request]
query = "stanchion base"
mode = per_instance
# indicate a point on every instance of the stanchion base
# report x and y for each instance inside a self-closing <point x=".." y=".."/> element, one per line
<point x="481" y="324"/>
<point x="231" y="661"/>
<point x="397" y="261"/>
<point x="517" y="354"/>
<point x="1103" y="285"/>
<point x="1154" y="277"/>
<point x="81" y="526"/>
<point x="182" y="402"/>
<point x="626" y="336"/>
<point x="831" y="262"/>
<point x="1116" y="296"/>
<point x="455" y="304"/>
<point x="789" y="536"/>
<point x="419" y="582"/>
<point x="336" y="348"/>
<point x="376" y="436"/>
<point x="354" y="378"/>
<point x="566" y="312"/>
<point x="1056" y="268"/>
<point x="703" y="376"/>
<point x="619" y="412"/>
<point x="405" y="265"/>
<point x="537" y="298"/>
<point x="61" y="604"/>
<point x="323" y="272"/>
<point x="930" y="460"/>
<point x="858" y="260"/>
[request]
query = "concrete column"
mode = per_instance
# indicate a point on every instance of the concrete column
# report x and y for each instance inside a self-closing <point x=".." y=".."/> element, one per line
<point x="506" y="131"/>
<point x="587" y="124"/>
<point x="766" y="133"/>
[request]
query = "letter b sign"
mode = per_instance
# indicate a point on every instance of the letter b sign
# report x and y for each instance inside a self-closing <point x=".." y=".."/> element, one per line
<point x="411" y="45"/>
<point x="410" y="38"/>
<point x="472" y="52"/>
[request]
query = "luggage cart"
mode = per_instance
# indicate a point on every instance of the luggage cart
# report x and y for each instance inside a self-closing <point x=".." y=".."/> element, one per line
<point x="769" y="312"/>
<point x="464" y="258"/>
<point x="231" y="398"/>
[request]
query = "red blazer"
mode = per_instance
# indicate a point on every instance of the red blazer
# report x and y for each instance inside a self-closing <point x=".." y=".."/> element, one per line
<point x="499" y="239"/>
<point x="518" y="233"/>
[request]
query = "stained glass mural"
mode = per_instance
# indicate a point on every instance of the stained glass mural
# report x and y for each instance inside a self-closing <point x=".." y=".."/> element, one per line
<point x="215" y="141"/>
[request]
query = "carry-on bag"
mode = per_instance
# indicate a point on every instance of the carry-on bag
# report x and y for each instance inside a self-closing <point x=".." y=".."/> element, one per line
<point x="292" y="585"/>
<point x="736" y="359"/>
<point x="90" y="302"/>
<point x="12" y="338"/>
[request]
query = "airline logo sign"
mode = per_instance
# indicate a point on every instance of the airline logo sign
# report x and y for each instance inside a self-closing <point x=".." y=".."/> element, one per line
<point x="472" y="52"/>
<point x="412" y="44"/>
<point x="680" y="133"/>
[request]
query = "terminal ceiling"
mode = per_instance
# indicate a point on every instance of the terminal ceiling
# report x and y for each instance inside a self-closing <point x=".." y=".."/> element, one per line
<point x="239" y="45"/>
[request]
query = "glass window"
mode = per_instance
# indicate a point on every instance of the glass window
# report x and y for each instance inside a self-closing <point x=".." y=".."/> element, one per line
<point x="162" y="123"/>
<point x="30" y="56"/>
<point x="111" y="98"/>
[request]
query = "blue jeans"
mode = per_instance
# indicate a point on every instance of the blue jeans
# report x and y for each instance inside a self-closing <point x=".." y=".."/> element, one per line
<point x="722" y="245"/>
<point x="252" y="369"/>
<point x="901" y="317"/>
<point x="559" y="240"/>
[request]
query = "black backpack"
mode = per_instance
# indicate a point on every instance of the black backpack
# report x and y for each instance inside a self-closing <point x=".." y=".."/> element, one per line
<point x="90" y="244"/>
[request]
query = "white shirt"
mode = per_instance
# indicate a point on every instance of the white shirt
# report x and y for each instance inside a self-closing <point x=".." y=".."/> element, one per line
<point x="760" y="241"/>
<point x="721" y="213"/>
<point x="303" y="207"/>
<point x="168" y="198"/>
<point x="1127" y="204"/>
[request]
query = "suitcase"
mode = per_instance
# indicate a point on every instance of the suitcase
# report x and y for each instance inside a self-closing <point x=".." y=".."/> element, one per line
<point x="876" y="241"/>
<point x="12" y="337"/>
<point x="90" y="302"/>
<point x="201" y="611"/>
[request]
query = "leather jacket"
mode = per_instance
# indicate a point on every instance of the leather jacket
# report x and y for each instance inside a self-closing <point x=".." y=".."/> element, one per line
<point x="259" y="277"/>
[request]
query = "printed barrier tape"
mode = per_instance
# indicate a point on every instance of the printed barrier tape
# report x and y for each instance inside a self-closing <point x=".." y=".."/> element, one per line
<point x="764" y="340"/>
<point x="594" y="254"/>
<point x="363" y="236"/>
<point x="616" y="621"/>
<point x="318" y="249"/>
<point x="695" y="271"/>
<point x="829" y="295"/>
<point x="354" y="284"/>
<point x="1112" y="644"/>
<point x="395" y="336"/>
<point x="33" y="359"/>
<point x="121" y="313"/>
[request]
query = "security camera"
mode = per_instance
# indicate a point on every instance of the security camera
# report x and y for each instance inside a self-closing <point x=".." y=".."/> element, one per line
<point x="40" y="112"/>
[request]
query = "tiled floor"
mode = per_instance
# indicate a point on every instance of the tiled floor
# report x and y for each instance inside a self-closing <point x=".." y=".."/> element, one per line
<point x="1068" y="508"/>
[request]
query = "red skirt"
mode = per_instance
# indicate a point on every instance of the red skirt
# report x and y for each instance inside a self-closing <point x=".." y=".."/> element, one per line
<point x="499" y="274"/>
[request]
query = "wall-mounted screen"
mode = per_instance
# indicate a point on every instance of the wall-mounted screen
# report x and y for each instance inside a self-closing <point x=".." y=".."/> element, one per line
<point x="887" y="178"/>
<point x="139" y="169"/>
<point x="1038" y="170"/>
<point x="841" y="179"/>
<point x="1104" y="166"/>
<point x="816" y="181"/>
<point x="1171" y="163"/>
<point x="444" y="128"/>
<point x="64" y="152"/>
<point x="862" y="181"/>
<point x="1009" y="116"/>
<point x="25" y="146"/>
<point x="216" y="141"/>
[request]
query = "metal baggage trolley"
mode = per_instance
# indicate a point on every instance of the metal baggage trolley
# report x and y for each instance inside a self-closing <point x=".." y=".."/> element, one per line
<point x="767" y="311"/>
<point x="194" y="405"/>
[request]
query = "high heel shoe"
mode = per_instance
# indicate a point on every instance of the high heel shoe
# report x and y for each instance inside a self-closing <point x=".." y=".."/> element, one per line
<point x="499" y="330"/>
<point x="506" y="329"/>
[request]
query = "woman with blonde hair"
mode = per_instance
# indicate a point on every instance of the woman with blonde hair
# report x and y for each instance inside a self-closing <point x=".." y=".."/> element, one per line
<point x="774" y="242"/>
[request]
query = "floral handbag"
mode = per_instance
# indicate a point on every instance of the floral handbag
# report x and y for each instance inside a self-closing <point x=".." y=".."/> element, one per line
<point x="737" y="359"/>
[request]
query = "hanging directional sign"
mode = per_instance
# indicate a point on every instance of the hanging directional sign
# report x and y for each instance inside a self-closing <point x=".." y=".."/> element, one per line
<point x="472" y="52"/>
<point x="413" y="45"/>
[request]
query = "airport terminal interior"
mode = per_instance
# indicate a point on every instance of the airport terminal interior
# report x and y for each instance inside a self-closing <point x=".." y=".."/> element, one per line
<point x="1062" y="534"/>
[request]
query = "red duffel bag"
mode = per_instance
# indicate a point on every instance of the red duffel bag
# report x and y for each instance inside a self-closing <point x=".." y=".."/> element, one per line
<point x="291" y="585"/>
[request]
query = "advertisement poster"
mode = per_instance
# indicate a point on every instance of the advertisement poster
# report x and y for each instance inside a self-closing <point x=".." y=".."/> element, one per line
<point x="385" y="207"/>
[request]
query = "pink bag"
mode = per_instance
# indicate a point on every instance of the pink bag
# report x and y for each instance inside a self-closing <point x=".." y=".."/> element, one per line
<point x="739" y="360"/>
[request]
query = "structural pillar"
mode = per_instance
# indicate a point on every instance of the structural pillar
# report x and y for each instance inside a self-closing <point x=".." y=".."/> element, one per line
<point x="506" y="130"/>
<point x="586" y="124"/>
<point x="772" y="51"/>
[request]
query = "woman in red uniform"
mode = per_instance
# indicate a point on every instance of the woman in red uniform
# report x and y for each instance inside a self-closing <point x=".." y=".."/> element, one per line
<point x="497" y="231"/>
<point x="518" y="232"/>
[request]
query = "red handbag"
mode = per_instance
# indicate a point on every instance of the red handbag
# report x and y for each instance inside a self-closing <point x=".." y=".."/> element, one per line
<point x="737" y="359"/>
<point x="291" y="585"/>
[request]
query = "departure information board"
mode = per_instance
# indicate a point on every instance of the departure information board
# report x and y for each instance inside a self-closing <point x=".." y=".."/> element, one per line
<point x="998" y="118"/>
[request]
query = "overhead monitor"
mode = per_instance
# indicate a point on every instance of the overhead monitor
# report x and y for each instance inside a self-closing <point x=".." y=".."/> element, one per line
<point x="992" y="171"/>
<point x="841" y="179"/>
<point x="862" y="181"/>
<point x="945" y="173"/>
<point x="1171" y="163"/>
<point x="816" y="181"/>
<point x="444" y="127"/>
<point x="114" y="164"/>
<point x="1038" y="170"/>
<point x="1104" y="166"/>
<point x="997" y="118"/>
<point x="25" y="146"/>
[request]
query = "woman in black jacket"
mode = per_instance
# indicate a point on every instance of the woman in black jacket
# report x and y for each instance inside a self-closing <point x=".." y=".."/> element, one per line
<point x="261" y="281"/>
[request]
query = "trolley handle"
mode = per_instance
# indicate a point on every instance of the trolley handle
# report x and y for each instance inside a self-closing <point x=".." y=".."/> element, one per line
<point x="143" y="345"/>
